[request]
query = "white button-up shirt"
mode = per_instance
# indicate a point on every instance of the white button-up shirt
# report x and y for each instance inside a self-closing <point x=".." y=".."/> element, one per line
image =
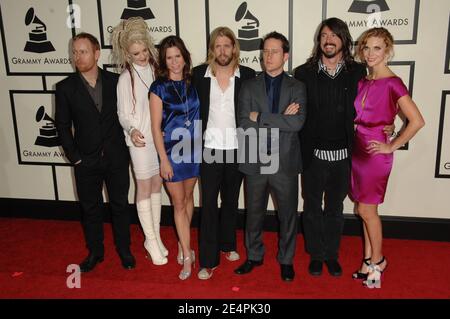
<point x="221" y="129"/>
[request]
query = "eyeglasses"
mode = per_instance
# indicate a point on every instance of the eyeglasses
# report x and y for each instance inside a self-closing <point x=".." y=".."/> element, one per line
<point x="271" y="52"/>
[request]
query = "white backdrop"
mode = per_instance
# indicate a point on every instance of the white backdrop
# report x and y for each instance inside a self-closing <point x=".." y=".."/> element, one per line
<point x="35" y="55"/>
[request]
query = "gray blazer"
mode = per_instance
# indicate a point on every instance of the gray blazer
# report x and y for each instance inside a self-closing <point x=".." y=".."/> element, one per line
<point x="253" y="98"/>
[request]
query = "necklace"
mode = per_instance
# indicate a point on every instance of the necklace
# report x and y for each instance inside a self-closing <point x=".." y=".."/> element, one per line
<point x="185" y="103"/>
<point x="148" y="87"/>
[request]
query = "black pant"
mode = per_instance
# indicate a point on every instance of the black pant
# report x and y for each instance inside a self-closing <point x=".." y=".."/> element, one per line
<point x="285" y="189"/>
<point x="218" y="227"/>
<point x="89" y="181"/>
<point x="323" y="227"/>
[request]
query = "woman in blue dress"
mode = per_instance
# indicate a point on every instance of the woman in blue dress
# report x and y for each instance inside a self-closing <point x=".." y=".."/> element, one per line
<point x="174" y="108"/>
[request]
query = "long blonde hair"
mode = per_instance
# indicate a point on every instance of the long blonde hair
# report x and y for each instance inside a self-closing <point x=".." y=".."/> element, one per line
<point x="222" y="32"/>
<point x="126" y="33"/>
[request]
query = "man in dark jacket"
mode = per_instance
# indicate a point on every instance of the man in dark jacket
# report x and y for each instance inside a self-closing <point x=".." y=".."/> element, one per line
<point x="87" y="101"/>
<point x="272" y="110"/>
<point x="331" y="77"/>
<point x="218" y="82"/>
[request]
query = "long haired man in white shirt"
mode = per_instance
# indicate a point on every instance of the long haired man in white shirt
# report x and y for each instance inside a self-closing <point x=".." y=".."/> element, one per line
<point x="218" y="82"/>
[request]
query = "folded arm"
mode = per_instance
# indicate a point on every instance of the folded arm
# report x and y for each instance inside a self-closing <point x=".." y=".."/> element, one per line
<point x="293" y="118"/>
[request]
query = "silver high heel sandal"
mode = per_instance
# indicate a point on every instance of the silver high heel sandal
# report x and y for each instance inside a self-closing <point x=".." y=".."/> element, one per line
<point x="186" y="274"/>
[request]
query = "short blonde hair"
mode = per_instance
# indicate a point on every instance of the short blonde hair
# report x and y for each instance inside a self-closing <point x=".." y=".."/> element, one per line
<point x="382" y="33"/>
<point x="222" y="32"/>
<point x="127" y="32"/>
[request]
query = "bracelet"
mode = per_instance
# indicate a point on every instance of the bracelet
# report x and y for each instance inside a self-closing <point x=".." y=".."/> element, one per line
<point x="131" y="130"/>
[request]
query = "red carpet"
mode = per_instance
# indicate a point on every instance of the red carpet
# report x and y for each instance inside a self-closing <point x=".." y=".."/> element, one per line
<point x="35" y="254"/>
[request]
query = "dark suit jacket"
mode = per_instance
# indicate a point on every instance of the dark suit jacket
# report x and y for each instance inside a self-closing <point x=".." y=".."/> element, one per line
<point x="96" y="134"/>
<point x="203" y="86"/>
<point x="308" y="74"/>
<point x="253" y="98"/>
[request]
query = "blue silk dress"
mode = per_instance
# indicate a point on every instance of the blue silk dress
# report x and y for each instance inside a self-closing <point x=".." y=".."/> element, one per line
<point x="181" y="126"/>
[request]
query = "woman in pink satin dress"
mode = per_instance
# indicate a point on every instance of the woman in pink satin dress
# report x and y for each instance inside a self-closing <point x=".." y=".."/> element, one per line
<point x="380" y="96"/>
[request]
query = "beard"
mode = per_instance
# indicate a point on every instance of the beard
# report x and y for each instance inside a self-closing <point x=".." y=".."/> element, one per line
<point x="330" y="55"/>
<point x="224" y="60"/>
<point x="85" y="67"/>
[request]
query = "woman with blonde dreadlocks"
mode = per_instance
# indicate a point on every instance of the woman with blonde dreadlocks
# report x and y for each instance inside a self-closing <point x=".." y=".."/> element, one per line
<point x="134" y="54"/>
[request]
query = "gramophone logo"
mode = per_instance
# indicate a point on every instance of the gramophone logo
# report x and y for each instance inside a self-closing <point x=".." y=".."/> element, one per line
<point x="250" y="24"/>
<point x="161" y="19"/>
<point x="36" y="136"/>
<point x="37" y="38"/>
<point x="248" y="33"/>
<point x="137" y="8"/>
<point x="48" y="136"/>
<point x="400" y="17"/>
<point x="360" y="6"/>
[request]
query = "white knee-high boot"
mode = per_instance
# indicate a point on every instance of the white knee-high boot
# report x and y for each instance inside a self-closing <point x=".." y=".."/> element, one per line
<point x="150" y="244"/>
<point x="156" y="213"/>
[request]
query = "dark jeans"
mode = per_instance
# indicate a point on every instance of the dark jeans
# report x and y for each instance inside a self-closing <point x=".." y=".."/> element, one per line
<point x="323" y="227"/>
<point x="218" y="226"/>
<point x="89" y="181"/>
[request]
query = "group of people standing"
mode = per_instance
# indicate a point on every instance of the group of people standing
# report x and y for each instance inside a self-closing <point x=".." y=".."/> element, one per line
<point x="331" y="122"/>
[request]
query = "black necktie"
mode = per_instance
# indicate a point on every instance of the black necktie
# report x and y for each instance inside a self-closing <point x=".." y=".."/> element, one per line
<point x="271" y="96"/>
<point x="273" y="108"/>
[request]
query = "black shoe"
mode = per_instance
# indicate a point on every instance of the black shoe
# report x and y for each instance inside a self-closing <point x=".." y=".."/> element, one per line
<point x="90" y="262"/>
<point x="362" y="275"/>
<point x="128" y="261"/>
<point x="287" y="272"/>
<point x="315" y="267"/>
<point x="247" y="267"/>
<point x="333" y="267"/>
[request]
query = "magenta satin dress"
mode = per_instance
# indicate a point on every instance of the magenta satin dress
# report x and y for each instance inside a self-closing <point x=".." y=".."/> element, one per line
<point x="370" y="173"/>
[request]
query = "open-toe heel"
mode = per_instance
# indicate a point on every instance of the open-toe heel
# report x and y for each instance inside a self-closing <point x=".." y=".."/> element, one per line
<point x="362" y="275"/>
<point x="185" y="274"/>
